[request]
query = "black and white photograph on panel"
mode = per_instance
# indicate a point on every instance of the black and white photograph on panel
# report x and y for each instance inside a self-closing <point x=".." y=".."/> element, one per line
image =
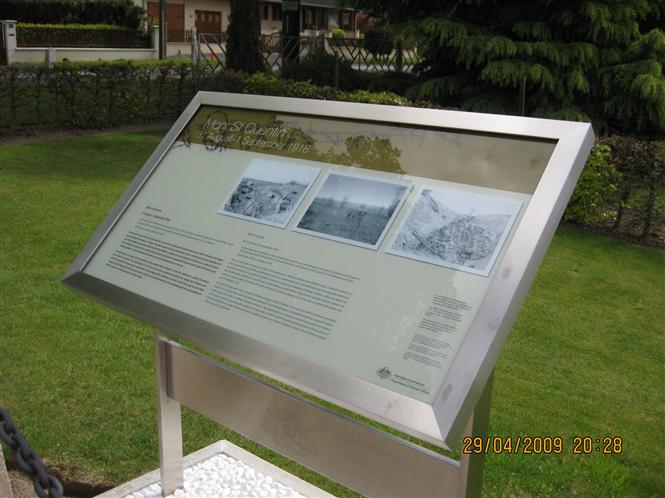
<point x="456" y="228"/>
<point x="269" y="192"/>
<point x="354" y="209"/>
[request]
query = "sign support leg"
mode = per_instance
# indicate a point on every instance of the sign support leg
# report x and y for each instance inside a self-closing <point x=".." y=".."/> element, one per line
<point x="471" y="466"/>
<point x="169" y="422"/>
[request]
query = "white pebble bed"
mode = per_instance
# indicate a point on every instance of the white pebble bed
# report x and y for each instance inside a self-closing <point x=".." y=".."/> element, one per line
<point x="222" y="475"/>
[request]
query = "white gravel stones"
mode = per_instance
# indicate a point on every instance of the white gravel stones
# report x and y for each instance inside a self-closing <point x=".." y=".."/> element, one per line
<point x="222" y="476"/>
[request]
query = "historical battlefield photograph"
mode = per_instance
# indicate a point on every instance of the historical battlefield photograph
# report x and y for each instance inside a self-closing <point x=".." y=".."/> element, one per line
<point x="456" y="228"/>
<point x="269" y="192"/>
<point x="354" y="209"/>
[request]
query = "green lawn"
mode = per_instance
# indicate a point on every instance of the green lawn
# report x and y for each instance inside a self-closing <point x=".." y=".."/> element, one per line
<point x="586" y="357"/>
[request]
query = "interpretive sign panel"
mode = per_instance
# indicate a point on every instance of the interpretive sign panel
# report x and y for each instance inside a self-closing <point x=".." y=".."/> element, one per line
<point x="373" y="256"/>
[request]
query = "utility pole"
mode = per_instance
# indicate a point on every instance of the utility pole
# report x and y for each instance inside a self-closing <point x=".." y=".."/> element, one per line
<point x="522" y="96"/>
<point x="162" y="29"/>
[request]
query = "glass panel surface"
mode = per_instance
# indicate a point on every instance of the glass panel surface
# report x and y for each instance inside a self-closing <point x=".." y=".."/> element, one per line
<point x="366" y="248"/>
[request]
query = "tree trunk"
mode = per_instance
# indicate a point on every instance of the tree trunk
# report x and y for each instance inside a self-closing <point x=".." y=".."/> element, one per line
<point x="625" y="195"/>
<point x="399" y="56"/>
<point x="648" y="212"/>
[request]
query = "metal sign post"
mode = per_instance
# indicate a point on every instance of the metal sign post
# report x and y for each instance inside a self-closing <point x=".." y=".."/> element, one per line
<point x="169" y="422"/>
<point x="365" y="459"/>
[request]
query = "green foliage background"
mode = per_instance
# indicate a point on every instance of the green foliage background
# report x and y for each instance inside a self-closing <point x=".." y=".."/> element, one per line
<point x="121" y="12"/>
<point x="599" y="60"/>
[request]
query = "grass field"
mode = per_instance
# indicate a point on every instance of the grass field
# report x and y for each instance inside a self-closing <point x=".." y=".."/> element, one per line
<point x="586" y="356"/>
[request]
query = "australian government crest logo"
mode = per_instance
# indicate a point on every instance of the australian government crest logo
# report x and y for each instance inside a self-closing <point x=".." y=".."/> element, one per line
<point x="384" y="372"/>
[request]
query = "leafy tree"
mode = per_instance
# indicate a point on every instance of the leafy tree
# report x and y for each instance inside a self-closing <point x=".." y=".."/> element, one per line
<point x="242" y="48"/>
<point x="582" y="59"/>
<point x="369" y="152"/>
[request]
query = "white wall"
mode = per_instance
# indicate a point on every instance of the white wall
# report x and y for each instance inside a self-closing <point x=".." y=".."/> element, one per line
<point x="333" y="20"/>
<point x="268" y="27"/>
<point x="37" y="55"/>
<point x="178" y="49"/>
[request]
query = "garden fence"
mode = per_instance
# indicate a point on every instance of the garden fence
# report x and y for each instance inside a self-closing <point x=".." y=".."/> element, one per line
<point x="384" y="56"/>
<point x="179" y="36"/>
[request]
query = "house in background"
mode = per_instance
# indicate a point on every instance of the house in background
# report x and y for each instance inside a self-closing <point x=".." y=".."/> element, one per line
<point x="212" y="16"/>
<point x="316" y="17"/>
<point x="208" y="16"/>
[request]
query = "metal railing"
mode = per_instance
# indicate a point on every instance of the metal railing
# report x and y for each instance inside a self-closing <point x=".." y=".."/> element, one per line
<point x="184" y="36"/>
<point x="387" y="57"/>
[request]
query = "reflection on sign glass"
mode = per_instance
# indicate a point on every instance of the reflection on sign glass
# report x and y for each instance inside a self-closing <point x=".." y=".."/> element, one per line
<point x="359" y="247"/>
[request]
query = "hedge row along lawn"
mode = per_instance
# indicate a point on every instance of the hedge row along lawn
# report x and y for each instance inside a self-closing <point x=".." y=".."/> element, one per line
<point x="585" y="357"/>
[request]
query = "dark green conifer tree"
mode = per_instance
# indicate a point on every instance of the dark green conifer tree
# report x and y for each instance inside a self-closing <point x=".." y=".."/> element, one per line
<point x="242" y="48"/>
<point x="582" y="59"/>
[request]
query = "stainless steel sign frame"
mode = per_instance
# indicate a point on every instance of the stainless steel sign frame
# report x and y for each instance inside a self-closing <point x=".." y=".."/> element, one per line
<point x="442" y="421"/>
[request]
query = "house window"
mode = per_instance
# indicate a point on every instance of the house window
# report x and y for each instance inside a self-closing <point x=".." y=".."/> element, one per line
<point x="346" y="21"/>
<point x="265" y="12"/>
<point x="276" y="12"/>
<point x="208" y="21"/>
<point x="307" y="17"/>
<point x="314" y="18"/>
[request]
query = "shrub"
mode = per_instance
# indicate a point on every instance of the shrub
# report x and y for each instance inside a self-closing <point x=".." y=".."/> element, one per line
<point x="642" y="166"/>
<point x="319" y="68"/>
<point x="365" y="97"/>
<point x="269" y="84"/>
<point x="74" y="26"/>
<point x="595" y="194"/>
<point x="80" y="35"/>
<point x="338" y="33"/>
<point x="378" y="42"/>
<point x="394" y="82"/>
<point x="118" y="12"/>
<point x="622" y="188"/>
<point x="101" y="94"/>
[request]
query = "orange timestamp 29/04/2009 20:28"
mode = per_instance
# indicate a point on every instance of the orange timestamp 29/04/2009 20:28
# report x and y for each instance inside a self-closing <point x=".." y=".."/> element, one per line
<point x="539" y="445"/>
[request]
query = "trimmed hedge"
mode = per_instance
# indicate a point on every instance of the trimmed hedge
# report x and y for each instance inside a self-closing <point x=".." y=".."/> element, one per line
<point x="80" y="35"/>
<point x="621" y="190"/>
<point x="104" y="94"/>
<point x="112" y="27"/>
<point x="120" y="12"/>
